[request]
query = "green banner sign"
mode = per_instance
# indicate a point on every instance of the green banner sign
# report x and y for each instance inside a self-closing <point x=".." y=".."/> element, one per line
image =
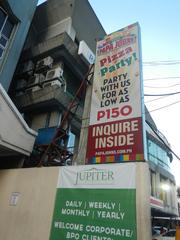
<point x="94" y="211"/>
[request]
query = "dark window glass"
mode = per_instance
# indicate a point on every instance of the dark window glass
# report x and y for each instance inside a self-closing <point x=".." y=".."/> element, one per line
<point x="170" y="234"/>
<point x="2" y="17"/>
<point x="158" y="155"/>
<point x="3" y="41"/>
<point x="1" y="52"/>
<point x="7" y="28"/>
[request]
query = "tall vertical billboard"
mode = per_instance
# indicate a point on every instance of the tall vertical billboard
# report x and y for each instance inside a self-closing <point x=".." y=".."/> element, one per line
<point x="115" y="131"/>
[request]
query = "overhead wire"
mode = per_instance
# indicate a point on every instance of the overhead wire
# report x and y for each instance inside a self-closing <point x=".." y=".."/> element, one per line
<point x="161" y="94"/>
<point x="177" y="84"/>
<point x="155" y="99"/>
<point x="164" y="106"/>
<point x="164" y="61"/>
<point x="160" y="78"/>
<point x="161" y="63"/>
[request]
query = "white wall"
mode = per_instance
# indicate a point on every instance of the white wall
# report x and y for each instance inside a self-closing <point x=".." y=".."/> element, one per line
<point x="31" y="217"/>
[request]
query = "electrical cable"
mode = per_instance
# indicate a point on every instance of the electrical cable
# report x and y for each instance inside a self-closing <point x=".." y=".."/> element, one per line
<point x="155" y="99"/>
<point x="161" y="78"/>
<point x="163" y="61"/>
<point x="177" y="84"/>
<point x="160" y="63"/>
<point x="164" y="106"/>
<point x="163" y="140"/>
<point x="161" y="94"/>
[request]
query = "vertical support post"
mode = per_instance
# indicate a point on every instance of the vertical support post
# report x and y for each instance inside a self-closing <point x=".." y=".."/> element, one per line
<point x="143" y="201"/>
<point x="81" y="157"/>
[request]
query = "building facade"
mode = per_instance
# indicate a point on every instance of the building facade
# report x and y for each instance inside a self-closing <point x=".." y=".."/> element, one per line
<point x="14" y="26"/>
<point x="163" y="186"/>
<point x="58" y="51"/>
<point x="56" y="57"/>
<point x="17" y="139"/>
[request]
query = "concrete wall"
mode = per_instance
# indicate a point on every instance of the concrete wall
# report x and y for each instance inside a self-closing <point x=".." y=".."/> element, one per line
<point x="24" y="11"/>
<point x="47" y="19"/>
<point x="51" y="12"/>
<point x="143" y="201"/>
<point x="38" y="121"/>
<point x="80" y="159"/>
<point x="81" y="22"/>
<point x="27" y="202"/>
<point x="86" y="24"/>
<point x="31" y="217"/>
<point x="63" y="26"/>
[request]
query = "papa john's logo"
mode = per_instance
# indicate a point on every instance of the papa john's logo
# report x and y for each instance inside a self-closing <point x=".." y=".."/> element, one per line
<point x="95" y="176"/>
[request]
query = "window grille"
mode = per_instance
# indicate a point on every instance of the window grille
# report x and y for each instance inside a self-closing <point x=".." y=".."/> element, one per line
<point x="6" y="28"/>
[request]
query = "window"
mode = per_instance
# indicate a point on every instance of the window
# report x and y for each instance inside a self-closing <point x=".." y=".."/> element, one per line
<point x="164" y="189"/>
<point x="72" y="82"/>
<point x="6" y="28"/>
<point x="153" y="183"/>
<point x="53" y="119"/>
<point x="158" y="155"/>
<point x="71" y="142"/>
<point x="172" y="191"/>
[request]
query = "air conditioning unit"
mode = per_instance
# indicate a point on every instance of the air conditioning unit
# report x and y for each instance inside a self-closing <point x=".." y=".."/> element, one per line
<point x="54" y="77"/>
<point x="35" y="80"/>
<point x="54" y="74"/>
<point x="26" y="68"/>
<point x="53" y="83"/>
<point x="44" y="64"/>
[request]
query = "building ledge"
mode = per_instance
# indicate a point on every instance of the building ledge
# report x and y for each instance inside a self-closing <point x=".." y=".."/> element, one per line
<point x="60" y="46"/>
<point x="49" y="97"/>
<point x="15" y="135"/>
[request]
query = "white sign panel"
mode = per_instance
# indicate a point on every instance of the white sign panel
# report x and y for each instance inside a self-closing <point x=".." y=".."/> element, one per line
<point x="115" y="131"/>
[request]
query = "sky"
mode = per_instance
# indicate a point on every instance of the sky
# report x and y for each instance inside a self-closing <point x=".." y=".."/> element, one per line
<point x="160" y="37"/>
